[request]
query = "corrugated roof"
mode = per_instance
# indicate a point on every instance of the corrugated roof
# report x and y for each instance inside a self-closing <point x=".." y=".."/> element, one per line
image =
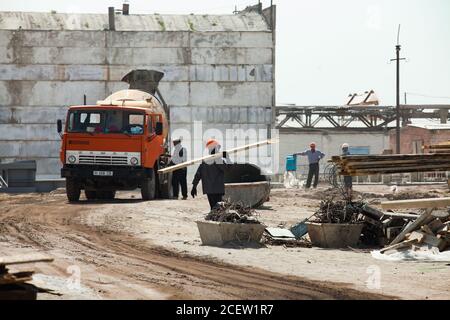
<point x="135" y="22"/>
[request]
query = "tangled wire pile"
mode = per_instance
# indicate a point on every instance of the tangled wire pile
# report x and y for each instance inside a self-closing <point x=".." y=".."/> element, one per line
<point x="226" y="211"/>
<point x="338" y="211"/>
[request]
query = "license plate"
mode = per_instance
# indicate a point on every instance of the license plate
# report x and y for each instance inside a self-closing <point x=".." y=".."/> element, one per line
<point x="103" y="173"/>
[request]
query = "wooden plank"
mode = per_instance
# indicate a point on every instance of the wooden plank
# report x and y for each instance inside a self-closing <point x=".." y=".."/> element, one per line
<point x="25" y="258"/>
<point x="399" y="245"/>
<point x="217" y="156"/>
<point x="14" y="278"/>
<point x="412" y="226"/>
<point x="401" y="215"/>
<point x="417" y="203"/>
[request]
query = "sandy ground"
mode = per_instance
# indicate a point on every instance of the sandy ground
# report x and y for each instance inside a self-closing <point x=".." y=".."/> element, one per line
<point x="130" y="249"/>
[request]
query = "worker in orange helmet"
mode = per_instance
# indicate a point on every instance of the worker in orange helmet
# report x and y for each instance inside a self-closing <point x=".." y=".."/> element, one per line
<point x="211" y="173"/>
<point x="314" y="156"/>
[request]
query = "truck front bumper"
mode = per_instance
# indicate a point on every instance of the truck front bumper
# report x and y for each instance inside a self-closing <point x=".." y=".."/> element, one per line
<point x="118" y="172"/>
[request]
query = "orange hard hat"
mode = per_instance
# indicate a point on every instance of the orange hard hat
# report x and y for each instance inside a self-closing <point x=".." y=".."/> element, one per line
<point x="212" y="143"/>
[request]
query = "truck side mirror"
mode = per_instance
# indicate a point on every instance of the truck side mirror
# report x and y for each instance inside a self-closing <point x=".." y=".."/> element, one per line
<point x="59" y="125"/>
<point x="159" y="128"/>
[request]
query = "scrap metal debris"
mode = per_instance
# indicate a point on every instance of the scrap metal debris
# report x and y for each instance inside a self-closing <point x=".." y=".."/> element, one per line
<point x="227" y="211"/>
<point x="338" y="211"/>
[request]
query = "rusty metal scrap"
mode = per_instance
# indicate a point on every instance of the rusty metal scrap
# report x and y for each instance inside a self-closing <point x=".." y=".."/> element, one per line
<point x="226" y="211"/>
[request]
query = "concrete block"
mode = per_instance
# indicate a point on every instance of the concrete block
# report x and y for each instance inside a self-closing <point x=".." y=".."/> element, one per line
<point x="231" y="56"/>
<point x="199" y="114"/>
<point x="232" y="39"/>
<point x="145" y="56"/>
<point x="130" y="39"/>
<point x="14" y="132"/>
<point x="241" y="73"/>
<point x="29" y="149"/>
<point x="53" y="55"/>
<point x="202" y="73"/>
<point x="180" y="115"/>
<point x="48" y="166"/>
<point x="175" y="93"/>
<point x="231" y="94"/>
<point x="63" y="38"/>
<point x="233" y="70"/>
<point x="35" y="115"/>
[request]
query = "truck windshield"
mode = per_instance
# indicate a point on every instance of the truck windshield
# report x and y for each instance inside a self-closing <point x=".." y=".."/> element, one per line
<point x="106" y="121"/>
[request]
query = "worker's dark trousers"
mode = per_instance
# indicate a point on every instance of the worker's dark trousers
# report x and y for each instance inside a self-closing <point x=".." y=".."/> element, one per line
<point x="179" y="178"/>
<point x="213" y="198"/>
<point x="313" y="171"/>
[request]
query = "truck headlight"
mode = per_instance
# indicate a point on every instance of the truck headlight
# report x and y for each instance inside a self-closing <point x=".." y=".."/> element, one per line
<point x="134" y="161"/>
<point x="72" y="159"/>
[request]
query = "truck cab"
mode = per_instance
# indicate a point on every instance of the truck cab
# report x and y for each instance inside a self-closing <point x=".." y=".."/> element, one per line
<point x="117" y="144"/>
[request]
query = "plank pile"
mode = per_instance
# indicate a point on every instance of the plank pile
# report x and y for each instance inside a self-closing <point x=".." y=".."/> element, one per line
<point x="13" y="285"/>
<point x="428" y="230"/>
<point x="364" y="165"/>
<point x="443" y="147"/>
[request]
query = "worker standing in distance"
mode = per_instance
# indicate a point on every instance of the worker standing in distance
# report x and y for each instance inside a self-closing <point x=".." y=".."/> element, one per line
<point x="348" y="180"/>
<point x="211" y="173"/>
<point x="314" y="156"/>
<point x="179" y="177"/>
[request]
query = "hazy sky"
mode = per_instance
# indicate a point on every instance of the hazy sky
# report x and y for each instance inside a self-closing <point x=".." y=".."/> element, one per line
<point x="327" y="49"/>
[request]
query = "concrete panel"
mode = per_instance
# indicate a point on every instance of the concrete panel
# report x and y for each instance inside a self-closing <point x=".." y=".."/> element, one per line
<point x="53" y="72"/>
<point x="232" y="39"/>
<point x="14" y="132"/>
<point x="231" y="94"/>
<point x="38" y="38"/>
<point x="52" y="93"/>
<point x="171" y="72"/>
<point x="146" y="56"/>
<point x="30" y="149"/>
<point x="135" y="39"/>
<point x="180" y="115"/>
<point x="48" y="166"/>
<point x="220" y="73"/>
<point x="36" y="115"/>
<point x="175" y="93"/>
<point x="52" y="55"/>
<point x="231" y="55"/>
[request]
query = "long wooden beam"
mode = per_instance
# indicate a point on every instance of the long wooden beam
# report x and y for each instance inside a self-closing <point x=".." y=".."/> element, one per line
<point x="218" y="155"/>
<point x="25" y="258"/>
<point x="417" y="203"/>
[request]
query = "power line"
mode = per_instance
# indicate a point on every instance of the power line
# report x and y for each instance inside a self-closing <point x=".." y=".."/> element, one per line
<point x="425" y="95"/>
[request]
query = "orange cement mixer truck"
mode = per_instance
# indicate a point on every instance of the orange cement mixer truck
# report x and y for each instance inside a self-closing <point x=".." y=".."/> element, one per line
<point x="119" y="143"/>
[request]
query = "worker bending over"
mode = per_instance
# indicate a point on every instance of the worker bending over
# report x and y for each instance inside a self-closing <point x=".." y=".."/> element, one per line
<point x="211" y="172"/>
<point x="314" y="156"/>
<point x="179" y="177"/>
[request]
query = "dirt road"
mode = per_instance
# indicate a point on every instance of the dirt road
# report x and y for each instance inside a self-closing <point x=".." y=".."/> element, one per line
<point x="111" y="261"/>
<point x="128" y="248"/>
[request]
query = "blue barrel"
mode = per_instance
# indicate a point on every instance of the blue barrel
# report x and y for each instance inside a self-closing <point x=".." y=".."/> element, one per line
<point x="291" y="163"/>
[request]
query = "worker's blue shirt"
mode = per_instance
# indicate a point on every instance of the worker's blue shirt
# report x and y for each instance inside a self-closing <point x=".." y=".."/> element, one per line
<point x="313" y="157"/>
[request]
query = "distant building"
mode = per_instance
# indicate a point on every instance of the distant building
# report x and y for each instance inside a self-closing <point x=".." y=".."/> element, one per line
<point x="413" y="137"/>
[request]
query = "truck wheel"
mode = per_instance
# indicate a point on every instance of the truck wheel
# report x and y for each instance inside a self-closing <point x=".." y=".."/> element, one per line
<point x="165" y="187"/>
<point x="148" y="188"/>
<point x="73" y="190"/>
<point x="90" y="195"/>
<point x="106" y="195"/>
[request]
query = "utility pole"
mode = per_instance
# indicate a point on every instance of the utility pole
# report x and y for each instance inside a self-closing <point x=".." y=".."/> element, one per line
<point x="397" y="106"/>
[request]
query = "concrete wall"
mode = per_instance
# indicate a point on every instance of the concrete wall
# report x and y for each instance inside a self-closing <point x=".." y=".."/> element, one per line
<point x="223" y="78"/>
<point x="328" y="141"/>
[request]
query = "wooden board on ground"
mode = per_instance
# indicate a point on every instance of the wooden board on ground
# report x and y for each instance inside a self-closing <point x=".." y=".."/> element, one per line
<point x="15" y="278"/>
<point x="417" y="203"/>
<point x="421" y="220"/>
<point x="25" y="258"/>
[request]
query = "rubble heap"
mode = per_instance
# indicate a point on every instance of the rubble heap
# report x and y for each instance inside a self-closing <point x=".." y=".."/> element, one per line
<point x="226" y="211"/>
